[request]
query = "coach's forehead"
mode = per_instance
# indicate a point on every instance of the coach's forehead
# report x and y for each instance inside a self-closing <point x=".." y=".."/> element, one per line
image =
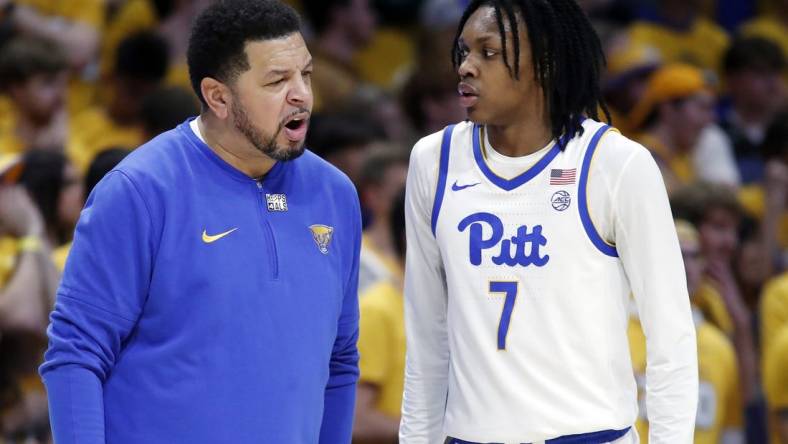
<point x="284" y="53"/>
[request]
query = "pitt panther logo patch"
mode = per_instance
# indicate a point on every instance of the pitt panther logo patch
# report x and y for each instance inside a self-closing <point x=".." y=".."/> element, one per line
<point x="322" y="236"/>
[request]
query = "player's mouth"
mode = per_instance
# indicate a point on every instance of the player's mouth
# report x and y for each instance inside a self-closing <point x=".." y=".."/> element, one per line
<point x="295" y="127"/>
<point x="469" y="95"/>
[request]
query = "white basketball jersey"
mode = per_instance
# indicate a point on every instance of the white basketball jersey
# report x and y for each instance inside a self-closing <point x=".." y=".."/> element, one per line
<point x="535" y="297"/>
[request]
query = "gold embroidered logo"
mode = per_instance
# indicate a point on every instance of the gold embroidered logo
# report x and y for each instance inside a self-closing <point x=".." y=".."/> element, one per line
<point x="322" y="236"/>
<point x="207" y="238"/>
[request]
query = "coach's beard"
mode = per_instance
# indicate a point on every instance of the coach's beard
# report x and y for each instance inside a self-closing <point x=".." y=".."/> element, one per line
<point x="266" y="145"/>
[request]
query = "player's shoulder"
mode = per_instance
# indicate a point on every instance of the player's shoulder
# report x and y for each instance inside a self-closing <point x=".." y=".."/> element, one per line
<point x="614" y="152"/>
<point x="427" y="149"/>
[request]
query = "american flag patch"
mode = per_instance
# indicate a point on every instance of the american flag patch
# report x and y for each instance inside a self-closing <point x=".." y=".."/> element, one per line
<point x="562" y="177"/>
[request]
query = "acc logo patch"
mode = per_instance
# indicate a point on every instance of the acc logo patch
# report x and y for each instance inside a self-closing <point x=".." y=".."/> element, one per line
<point x="560" y="200"/>
<point x="322" y="236"/>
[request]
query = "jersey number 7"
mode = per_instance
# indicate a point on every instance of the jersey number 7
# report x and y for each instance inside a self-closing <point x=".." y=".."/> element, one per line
<point x="510" y="289"/>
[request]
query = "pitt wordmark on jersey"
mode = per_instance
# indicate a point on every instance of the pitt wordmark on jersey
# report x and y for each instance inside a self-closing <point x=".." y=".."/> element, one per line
<point x="518" y="276"/>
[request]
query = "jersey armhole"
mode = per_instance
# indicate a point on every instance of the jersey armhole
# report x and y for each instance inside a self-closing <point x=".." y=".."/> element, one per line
<point x="443" y="170"/>
<point x="585" y="217"/>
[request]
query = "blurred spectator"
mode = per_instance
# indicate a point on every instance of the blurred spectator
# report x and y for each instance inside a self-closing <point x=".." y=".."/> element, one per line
<point x="57" y="190"/>
<point x="629" y="66"/>
<point x="74" y="24"/>
<point x="167" y="107"/>
<point x="431" y="101"/>
<point x="101" y="165"/>
<point x="771" y="26"/>
<point x="382" y="177"/>
<point x="342" y="28"/>
<point x="775" y="375"/>
<point x="753" y="73"/>
<point x="33" y="74"/>
<point x="170" y="19"/>
<point x="675" y="108"/>
<point x="140" y="66"/>
<point x="681" y="34"/>
<point x="773" y="310"/>
<point x="719" y="417"/>
<point x="343" y="139"/>
<point x="26" y="278"/>
<point x="381" y="345"/>
<point x="716" y="213"/>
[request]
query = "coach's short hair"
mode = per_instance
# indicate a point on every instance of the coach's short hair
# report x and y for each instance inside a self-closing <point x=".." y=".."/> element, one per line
<point x="220" y="34"/>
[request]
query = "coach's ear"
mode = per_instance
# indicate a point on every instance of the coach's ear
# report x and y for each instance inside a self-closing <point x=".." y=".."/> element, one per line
<point x="217" y="95"/>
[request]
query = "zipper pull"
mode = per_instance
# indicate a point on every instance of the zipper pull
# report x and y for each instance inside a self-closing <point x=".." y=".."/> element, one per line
<point x="259" y="185"/>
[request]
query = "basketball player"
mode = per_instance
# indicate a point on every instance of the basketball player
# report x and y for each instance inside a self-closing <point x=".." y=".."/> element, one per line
<point x="528" y="227"/>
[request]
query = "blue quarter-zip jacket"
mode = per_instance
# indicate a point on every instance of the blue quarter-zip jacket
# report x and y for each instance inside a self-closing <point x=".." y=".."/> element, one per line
<point x="201" y="306"/>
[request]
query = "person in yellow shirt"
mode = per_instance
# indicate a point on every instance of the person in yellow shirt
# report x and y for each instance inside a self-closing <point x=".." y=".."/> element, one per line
<point x="382" y="177"/>
<point x="681" y="34"/>
<point x="676" y="106"/>
<point x="719" y="416"/>
<point x="381" y="345"/>
<point x="774" y="310"/>
<point x="140" y="66"/>
<point x="775" y="376"/>
<point x="342" y="28"/>
<point x="33" y="75"/>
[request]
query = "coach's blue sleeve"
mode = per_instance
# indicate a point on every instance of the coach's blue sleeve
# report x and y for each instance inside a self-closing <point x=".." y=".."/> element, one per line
<point x="100" y="297"/>
<point x="341" y="388"/>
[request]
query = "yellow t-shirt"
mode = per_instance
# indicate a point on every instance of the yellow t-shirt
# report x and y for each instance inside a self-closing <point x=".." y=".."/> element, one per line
<point x="676" y="167"/>
<point x="92" y="131"/>
<point x="381" y="344"/>
<point x="775" y="375"/>
<point x="753" y="199"/>
<point x="711" y="304"/>
<point x="90" y="12"/>
<point x="59" y="256"/>
<point x="387" y="59"/>
<point x="774" y="310"/>
<point x="719" y="402"/>
<point x="702" y="45"/>
<point x="9" y="248"/>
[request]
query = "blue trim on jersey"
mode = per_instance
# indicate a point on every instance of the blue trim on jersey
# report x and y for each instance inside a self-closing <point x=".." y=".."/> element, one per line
<point x="582" y="199"/>
<point x="601" y="437"/>
<point x="443" y="170"/>
<point x="510" y="184"/>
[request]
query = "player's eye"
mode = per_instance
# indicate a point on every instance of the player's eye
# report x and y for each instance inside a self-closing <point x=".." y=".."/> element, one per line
<point x="489" y="53"/>
<point x="462" y="52"/>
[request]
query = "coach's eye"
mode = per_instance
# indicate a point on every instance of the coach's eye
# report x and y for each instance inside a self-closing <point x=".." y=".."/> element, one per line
<point x="276" y="82"/>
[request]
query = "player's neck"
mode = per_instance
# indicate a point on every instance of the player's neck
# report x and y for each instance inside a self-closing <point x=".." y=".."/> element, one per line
<point x="232" y="148"/>
<point x="515" y="140"/>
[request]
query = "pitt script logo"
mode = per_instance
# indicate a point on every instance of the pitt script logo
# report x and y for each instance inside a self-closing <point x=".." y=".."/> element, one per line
<point x="522" y="249"/>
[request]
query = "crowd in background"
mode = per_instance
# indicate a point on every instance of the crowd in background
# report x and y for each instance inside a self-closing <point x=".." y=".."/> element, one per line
<point x="700" y="83"/>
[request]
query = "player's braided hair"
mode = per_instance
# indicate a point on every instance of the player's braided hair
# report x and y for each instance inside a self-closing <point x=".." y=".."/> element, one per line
<point x="566" y="51"/>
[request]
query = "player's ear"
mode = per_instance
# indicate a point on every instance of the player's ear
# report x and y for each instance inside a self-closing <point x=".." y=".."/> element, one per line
<point x="217" y="96"/>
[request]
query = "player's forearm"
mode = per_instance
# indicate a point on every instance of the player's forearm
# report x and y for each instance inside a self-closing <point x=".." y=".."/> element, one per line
<point x="76" y="405"/>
